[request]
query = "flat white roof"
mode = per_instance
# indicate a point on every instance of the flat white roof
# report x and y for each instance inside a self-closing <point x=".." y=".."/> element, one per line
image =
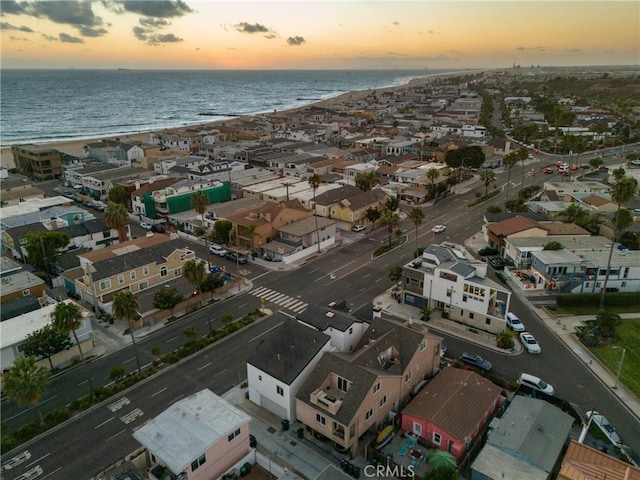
<point x="16" y="329"/>
<point x="186" y="429"/>
<point x="19" y="281"/>
<point x="32" y="205"/>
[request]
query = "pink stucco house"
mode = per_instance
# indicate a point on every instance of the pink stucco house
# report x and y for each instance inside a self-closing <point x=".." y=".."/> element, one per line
<point x="200" y="437"/>
<point x="451" y="411"/>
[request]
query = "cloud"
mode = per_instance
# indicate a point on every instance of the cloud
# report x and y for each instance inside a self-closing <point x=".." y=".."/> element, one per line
<point x="396" y="54"/>
<point x="395" y="22"/>
<point x="66" y="38"/>
<point x="295" y="41"/>
<point x="154" y="22"/>
<point x="91" y="32"/>
<point x="151" y="8"/>
<point x="271" y="36"/>
<point x="140" y="33"/>
<point x="245" y="27"/>
<point x="18" y="39"/>
<point x="14" y="8"/>
<point x="49" y="38"/>
<point x="431" y="32"/>
<point x="539" y="48"/>
<point x="159" y="38"/>
<point x="8" y="26"/>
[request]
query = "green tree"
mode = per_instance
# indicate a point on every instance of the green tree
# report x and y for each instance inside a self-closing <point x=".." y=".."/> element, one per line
<point x="574" y="212"/>
<point x="392" y="204"/>
<point x="595" y="162"/>
<point x="118" y="194"/>
<point x="622" y="219"/>
<point x="200" y="202"/>
<point x="26" y="383"/>
<point x="487" y="176"/>
<point x="125" y="307"/>
<point x="314" y="183"/>
<point x="365" y="180"/>
<point x="442" y="473"/>
<point x="190" y="333"/>
<point x="194" y="273"/>
<point x="66" y="318"/>
<point x="42" y="249"/>
<point x="493" y="209"/>
<point x="226" y="318"/>
<point x="522" y="154"/>
<point x="510" y="161"/>
<point x="433" y="174"/>
<point x="116" y="216"/>
<point x="117" y="373"/>
<point x="221" y="231"/>
<point x="618" y="174"/>
<point x="416" y="216"/>
<point x="553" y="245"/>
<point x="607" y="322"/>
<point x="167" y="298"/>
<point x="45" y="343"/>
<point x="390" y="220"/>
<point x="623" y="191"/>
<point x="373" y="215"/>
<point x="395" y="274"/>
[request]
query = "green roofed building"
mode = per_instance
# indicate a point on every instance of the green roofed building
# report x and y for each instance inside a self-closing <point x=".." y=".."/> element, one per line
<point x="177" y="197"/>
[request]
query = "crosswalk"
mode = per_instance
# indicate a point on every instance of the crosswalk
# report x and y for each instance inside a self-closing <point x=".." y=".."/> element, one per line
<point x="280" y="299"/>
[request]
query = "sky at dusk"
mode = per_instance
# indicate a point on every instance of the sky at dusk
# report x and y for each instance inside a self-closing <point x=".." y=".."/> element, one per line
<point x="340" y="34"/>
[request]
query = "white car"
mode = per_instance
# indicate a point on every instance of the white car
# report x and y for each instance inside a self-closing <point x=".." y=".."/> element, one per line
<point x="529" y="343"/>
<point x="605" y="426"/>
<point x="358" y="228"/>
<point x="438" y="229"/>
<point x="514" y="323"/>
<point x="218" y="250"/>
<point x="146" y="226"/>
<point x="535" y="383"/>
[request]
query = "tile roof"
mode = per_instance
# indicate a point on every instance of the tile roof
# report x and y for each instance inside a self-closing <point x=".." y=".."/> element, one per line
<point x="288" y="350"/>
<point x="512" y="225"/>
<point x="582" y="462"/>
<point x="455" y="400"/>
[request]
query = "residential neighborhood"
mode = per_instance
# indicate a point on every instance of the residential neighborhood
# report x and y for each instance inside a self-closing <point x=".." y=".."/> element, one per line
<point x="290" y="290"/>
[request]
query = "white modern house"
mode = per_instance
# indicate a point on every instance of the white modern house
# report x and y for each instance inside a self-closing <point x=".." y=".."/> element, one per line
<point x="280" y="365"/>
<point x="445" y="278"/>
<point x="345" y="331"/>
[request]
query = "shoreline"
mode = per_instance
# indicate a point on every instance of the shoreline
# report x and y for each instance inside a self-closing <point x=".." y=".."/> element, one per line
<point x="75" y="146"/>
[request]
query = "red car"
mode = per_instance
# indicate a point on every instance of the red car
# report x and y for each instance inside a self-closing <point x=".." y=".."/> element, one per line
<point x="548" y="171"/>
<point x="574" y="167"/>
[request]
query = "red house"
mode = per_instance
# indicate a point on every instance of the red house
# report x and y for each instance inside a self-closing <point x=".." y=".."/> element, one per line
<point x="452" y="410"/>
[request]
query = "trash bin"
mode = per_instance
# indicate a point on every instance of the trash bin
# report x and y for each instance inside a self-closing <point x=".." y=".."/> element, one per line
<point x="285" y="424"/>
<point x="300" y="432"/>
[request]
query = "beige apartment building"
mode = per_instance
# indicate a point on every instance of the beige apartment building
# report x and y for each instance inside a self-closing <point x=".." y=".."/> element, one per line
<point x="135" y="265"/>
<point x="37" y="162"/>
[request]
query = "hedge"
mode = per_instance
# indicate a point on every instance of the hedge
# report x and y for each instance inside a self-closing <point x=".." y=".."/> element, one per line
<point x="593" y="299"/>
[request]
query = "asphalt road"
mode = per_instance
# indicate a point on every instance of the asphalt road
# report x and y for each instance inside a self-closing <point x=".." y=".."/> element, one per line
<point x="346" y="274"/>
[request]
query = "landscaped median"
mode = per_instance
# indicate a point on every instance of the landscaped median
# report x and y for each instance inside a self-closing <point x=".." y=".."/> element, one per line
<point x="11" y="440"/>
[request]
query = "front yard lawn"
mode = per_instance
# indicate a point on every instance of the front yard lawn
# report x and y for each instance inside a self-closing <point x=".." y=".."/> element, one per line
<point x="628" y="338"/>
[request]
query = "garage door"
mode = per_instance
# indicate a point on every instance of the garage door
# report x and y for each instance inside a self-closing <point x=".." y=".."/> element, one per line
<point x="273" y="407"/>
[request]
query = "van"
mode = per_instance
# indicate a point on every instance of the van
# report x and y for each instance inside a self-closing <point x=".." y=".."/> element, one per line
<point x="514" y="323"/>
<point x="535" y="383"/>
<point x="217" y="249"/>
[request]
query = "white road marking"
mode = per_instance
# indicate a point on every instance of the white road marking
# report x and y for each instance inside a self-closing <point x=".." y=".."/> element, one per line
<point x="204" y="366"/>
<point x="159" y="392"/>
<point x="103" y="423"/>
<point x="267" y="331"/>
<point x="114" y="436"/>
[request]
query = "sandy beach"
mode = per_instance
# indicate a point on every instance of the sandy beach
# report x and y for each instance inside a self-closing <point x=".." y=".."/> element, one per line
<point x="75" y="147"/>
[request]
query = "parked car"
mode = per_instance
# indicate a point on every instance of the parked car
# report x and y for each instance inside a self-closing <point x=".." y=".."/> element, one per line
<point x="146" y="226"/>
<point x="218" y="250"/>
<point x="497" y="263"/>
<point x="605" y="426"/>
<point x="477" y="361"/>
<point x="487" y="251"/>
<point x="514" y="323"/>
<point x="358" y="228"/>
<point x="157" y="228"/>
<point x="438" y="229"/>
<point x="529" y="343"/>
<point x="548" y="171"/>
<point x="535" y="383"/>
<point x="236" y="257"/>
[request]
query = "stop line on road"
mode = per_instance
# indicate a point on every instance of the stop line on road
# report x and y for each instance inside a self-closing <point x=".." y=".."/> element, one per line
<point x="280" y="299"/>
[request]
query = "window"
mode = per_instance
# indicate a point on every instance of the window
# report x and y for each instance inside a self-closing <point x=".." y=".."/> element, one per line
<point x="25" y="292"/>
<point x="383" y="400"/>
<point x="423" y="345"/>
<point x="487" y="321"/>
<point x="321" y="420"/>
<point x="233" y="435"/>
<point x="437" y="438"/>
<point x="351" y="331"/>
<point x="279" y="390"/>
<point x="105" y="284"/>
<point x="449" y="445"/>
<point x="22" y="241"/>
<point x="163" y="271"/>
<point x="376" y="388"/>
<point x="120" y="279"/>
<point x="623" y="284"/>
<point x="369" y="414"/>
<point x="260" y="378"/>
<point x="471" y="315"/>
<point x="143" y="285"/>
<point x="145" y="271"/>
<point x="198" y="463"/>
<point x="133" y="275"/>
<point x="408" y="377"/>
<point x="343" y="384"/>
<point x="177" y="272"/>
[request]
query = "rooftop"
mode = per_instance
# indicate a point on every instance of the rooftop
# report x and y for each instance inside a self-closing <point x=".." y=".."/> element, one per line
<point x="19" y="281"/>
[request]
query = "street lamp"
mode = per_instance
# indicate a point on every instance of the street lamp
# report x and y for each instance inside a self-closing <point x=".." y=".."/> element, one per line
<point x="615" y="386"/>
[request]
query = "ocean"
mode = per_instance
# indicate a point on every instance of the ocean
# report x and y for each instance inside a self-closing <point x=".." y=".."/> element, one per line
<point x="40" y="106"/>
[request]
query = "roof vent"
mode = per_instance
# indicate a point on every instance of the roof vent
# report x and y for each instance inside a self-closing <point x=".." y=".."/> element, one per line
<point x="330" y="314"/>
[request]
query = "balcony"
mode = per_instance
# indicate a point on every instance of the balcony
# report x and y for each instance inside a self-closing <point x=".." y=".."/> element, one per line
<point x="328" y="402"/>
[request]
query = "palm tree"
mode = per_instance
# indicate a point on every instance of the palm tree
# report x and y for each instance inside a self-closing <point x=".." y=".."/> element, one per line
<point x="314" y="183"/>
<point x="487" y="176"/>
<point x="26" y="382"/>
<point x="522" y="154"/>
<point x="116" y="216"/>
<point x="433" y="174"/>
<point x="390" y="220"/>
<point x="194" y="273"/>
<point x="67" y="318"/>
<point x="622" y="191"/>
<point x="416" y="215"/>
<point x="510" y="161"/>
<point x="125" y="306"/>
<point x="199" y="202"/>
